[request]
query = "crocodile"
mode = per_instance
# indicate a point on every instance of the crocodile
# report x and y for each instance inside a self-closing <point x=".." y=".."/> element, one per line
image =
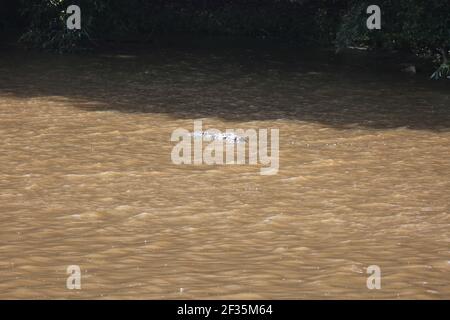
<point x="210" y="136"/>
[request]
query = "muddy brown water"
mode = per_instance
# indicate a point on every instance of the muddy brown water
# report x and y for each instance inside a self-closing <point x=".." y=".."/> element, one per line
<point x="86" y="178"/>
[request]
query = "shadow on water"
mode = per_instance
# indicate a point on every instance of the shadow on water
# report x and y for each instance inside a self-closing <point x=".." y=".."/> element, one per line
<point x="241" y="84"/>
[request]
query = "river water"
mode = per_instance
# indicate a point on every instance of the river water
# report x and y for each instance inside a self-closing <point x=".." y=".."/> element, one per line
<point x="86" y="178"/>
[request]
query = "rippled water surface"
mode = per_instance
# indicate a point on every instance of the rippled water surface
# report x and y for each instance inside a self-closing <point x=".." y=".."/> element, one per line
<point x="86" y="178"/>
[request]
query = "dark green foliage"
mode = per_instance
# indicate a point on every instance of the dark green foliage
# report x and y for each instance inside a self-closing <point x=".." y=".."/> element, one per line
<point x="303" y="21"/>
<point x="418" y="26"/>
<point x="411" y="24"/>
<point x="442" y="72"/>
<point x="47" y="25"/>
